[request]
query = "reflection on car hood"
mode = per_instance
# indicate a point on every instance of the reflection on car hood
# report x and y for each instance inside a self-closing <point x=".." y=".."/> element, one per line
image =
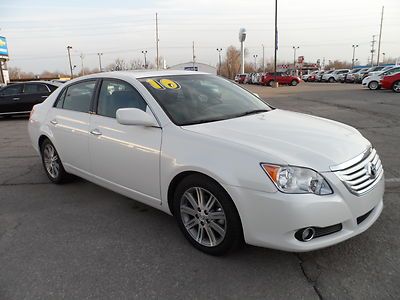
<point x="297" y="139"/>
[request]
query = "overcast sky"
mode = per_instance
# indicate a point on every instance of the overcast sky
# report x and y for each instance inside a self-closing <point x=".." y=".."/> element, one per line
<point x="39" y="31"/>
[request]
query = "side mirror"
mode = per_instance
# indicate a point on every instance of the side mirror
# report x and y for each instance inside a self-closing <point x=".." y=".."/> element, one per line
<point x="134" y="116"/>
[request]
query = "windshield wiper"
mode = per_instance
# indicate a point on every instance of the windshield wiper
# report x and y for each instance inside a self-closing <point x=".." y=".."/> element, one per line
<point x="253" y="112"/>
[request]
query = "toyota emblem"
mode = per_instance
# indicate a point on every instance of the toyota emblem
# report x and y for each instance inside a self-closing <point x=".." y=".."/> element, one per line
<point x="371" y="170"/>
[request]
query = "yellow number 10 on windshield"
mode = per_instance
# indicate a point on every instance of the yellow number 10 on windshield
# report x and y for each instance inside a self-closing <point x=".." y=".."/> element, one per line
<point x="163" y="84"/>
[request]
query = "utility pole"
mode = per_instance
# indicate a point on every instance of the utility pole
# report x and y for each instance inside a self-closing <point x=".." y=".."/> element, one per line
<point x="157" y="42"/>
<point x="70" y="63"/>
<point x="255" y="62"/>
<point x="372" y="50"/>
<point x="219" y="60"/>
<point x="145" y="61"/>
<point x="276" y="40"/>
<point x="354" y="53"/>
<point x="193" y="56"/>
<point x="100" y="54"/>
<point x="82" y="67"/>
<point x="263" y="58"/>
<point x="294" y="59"/>
<point x="380" y="36"/>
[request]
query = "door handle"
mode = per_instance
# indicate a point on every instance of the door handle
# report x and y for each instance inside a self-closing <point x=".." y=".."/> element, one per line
<point x="44" y="96"/>
<point x="54" y="122"/>
<point x="95" y="132"/>
<point x="16" y="98"/>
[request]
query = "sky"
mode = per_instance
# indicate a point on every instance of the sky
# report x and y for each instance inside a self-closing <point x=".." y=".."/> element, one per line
<point x="39" y="31"/>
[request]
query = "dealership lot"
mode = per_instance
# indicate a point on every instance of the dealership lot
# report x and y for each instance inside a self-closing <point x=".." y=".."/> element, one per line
<point x="81" y="241"/>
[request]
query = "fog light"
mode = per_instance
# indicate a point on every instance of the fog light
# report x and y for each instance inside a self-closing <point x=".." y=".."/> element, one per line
<point x="305" y="234"/>
<point x="308" y="234"/>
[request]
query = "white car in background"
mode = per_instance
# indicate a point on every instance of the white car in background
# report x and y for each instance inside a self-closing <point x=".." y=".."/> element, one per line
<point x="334" y="75"/>
<point x="372" y="81"/>
<point x="227" y="165"/>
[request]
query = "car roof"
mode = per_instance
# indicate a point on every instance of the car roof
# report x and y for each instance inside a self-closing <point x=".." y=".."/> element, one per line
<point x="138" y="74"/>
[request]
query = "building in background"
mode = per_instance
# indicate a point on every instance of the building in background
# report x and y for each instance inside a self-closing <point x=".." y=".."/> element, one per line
<point x="195" y="66"/>
<point x="4" y="77"/>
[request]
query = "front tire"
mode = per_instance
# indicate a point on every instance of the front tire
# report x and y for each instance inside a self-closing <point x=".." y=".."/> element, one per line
<point x="207" y="216"/>
<point x="331" y="80"/>
<point x="52" y="163"/>
<point x="396" y="87"/>
<point x="294" y="83"/>
<point x="373" y="85"/>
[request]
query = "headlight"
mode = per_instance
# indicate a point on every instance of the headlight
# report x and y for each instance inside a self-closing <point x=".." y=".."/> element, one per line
<point x="297" y="180"/>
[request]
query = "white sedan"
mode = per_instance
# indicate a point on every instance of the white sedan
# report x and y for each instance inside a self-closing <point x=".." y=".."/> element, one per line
<point x="228" y="166"/>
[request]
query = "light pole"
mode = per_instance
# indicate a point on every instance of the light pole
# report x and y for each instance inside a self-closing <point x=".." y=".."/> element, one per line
<point x="354" y="53"/>
<point x="70" y="63"/>
<point x="276" y="42"/>
<point x="255" y="62"/>
<point x="145" y="60"/>
<point x="242" y="38"/>
<point x="383" y="57"/>
<point x="219" y="60"/>
<point x="294" y="58"/>
<point x="82" y="56"/>
<point x="263" y="58"/>
<point x="100" y="54"/>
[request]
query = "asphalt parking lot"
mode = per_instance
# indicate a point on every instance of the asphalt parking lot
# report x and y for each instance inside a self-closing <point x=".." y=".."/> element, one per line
<point x="80" y="241"/>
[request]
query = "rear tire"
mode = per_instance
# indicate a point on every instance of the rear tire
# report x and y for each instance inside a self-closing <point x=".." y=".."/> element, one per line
<point x="271" y="83"/>
<point x="396" y="87"/>
<point x="52" y="163"/>
<point x="207" y="216"/>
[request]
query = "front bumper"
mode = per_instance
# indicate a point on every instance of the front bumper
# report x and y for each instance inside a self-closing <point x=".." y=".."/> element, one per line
<point x="271" y="219"/>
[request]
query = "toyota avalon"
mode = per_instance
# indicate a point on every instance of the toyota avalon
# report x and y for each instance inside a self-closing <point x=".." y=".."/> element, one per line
<point x="229" y="167"/>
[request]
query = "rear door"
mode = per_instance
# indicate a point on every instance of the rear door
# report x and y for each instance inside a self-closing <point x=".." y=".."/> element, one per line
<point x="33" y="94"/>
<point x="69" y="121"/>
<point x="10" y="99"/>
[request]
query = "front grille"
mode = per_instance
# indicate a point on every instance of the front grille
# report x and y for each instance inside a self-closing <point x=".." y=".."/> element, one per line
<point x="361" y="219"/>
<point x="361" y="173"/>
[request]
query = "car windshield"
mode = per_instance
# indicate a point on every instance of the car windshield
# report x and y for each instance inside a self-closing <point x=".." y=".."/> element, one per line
<point x="194" y="99"/>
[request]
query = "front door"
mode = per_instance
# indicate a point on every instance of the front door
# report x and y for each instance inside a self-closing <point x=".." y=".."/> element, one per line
<point x="126" y="156"/>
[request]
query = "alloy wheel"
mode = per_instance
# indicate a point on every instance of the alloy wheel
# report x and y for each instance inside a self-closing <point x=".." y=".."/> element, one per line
<point x="50" y="159"/>
<point x="203" y="216"/>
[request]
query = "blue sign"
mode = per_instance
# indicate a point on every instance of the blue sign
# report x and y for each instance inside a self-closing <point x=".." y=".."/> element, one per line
<point x="3" y="46"/>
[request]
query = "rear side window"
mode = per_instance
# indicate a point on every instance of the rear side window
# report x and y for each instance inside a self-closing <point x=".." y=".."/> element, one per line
<point x="35" y="88"/>
<point x="79" y="96"/>
<point x="12" y="90"/>
<point x="116" y="94"/>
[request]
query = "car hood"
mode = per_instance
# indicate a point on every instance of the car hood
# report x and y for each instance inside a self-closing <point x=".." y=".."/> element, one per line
<point x="289" y="137"/>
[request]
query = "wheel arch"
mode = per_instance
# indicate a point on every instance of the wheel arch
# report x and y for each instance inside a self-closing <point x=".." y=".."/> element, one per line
<point x="182" y="175"/>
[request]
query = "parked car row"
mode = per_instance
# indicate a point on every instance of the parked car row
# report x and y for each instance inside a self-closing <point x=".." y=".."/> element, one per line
<point x="369" y="77"/>
<point x="390" y="76"/>
<point x="268" y="79"/>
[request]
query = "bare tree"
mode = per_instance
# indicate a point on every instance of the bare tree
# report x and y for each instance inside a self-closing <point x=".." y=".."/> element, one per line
<point x="230" y="66"/>
<point x="136" y="64"/>
<point x="118" y="65"/>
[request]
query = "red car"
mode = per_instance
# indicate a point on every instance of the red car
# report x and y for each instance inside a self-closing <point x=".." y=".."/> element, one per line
<point x="391" y="82"/>
<point x="281" y="78"/>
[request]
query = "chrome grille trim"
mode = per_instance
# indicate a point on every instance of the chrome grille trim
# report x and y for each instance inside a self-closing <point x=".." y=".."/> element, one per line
<point x="355" y="175"/>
